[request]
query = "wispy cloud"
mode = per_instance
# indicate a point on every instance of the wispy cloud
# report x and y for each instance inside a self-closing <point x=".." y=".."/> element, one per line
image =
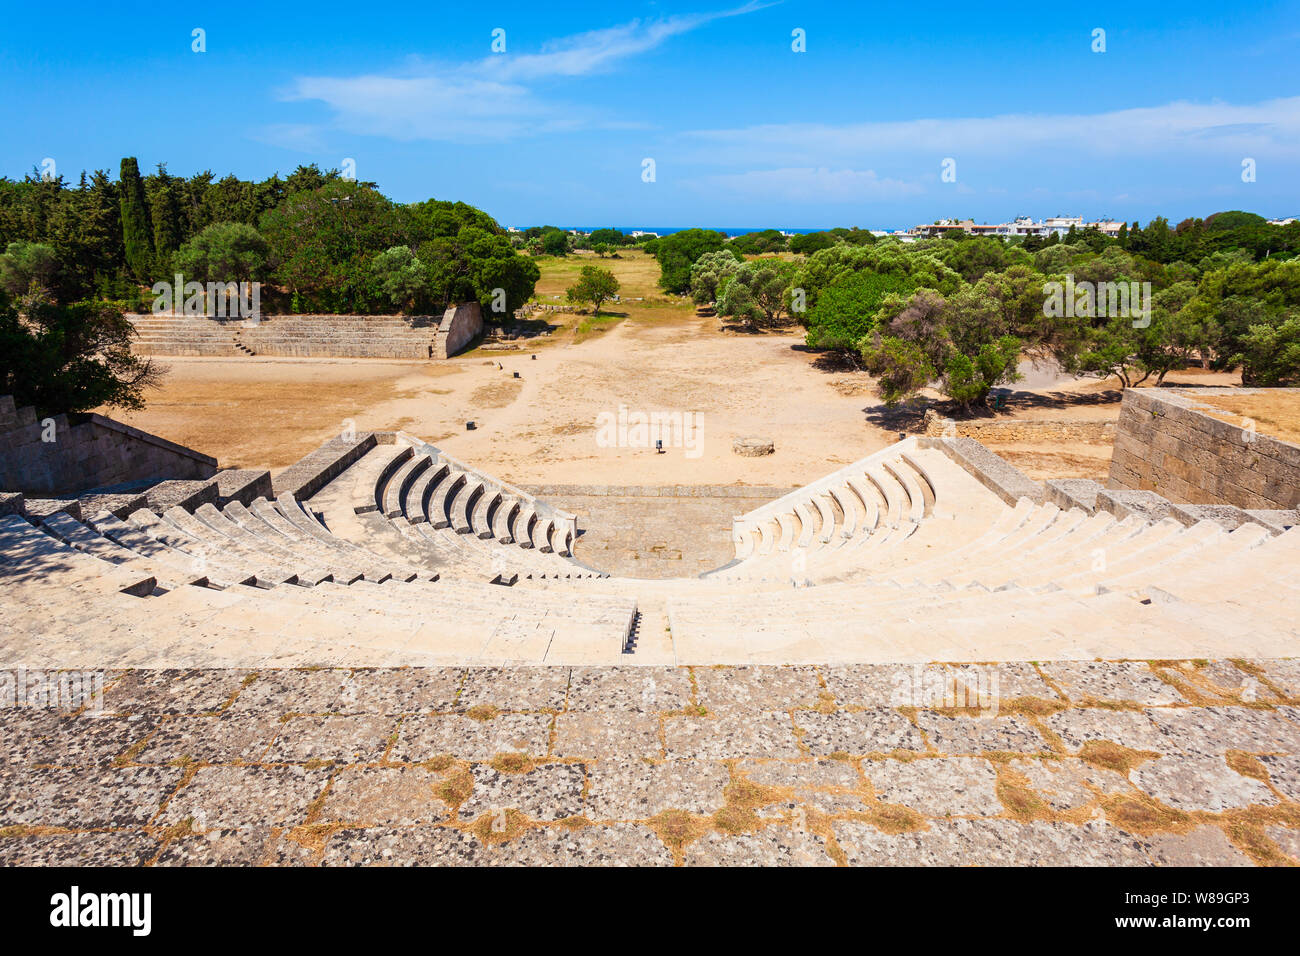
<point x="496" y="98"/>
<point x="1172" y="128"/>
<point x="599" y="50"/>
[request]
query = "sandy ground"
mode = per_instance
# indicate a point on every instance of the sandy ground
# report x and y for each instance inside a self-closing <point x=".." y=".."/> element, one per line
<point x="650" y="354"/>
<point x="541" y="427"/>
<point x="1276" y="414"/>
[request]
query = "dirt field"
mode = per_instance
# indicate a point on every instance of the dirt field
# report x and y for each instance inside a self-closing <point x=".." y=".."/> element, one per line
<point x="1273" y="414"/>
<point x="650" y="356"/>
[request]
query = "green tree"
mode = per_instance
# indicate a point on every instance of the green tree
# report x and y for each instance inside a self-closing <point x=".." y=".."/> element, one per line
<point x="676" y="254"/>
<point x="555" y="242"/>
<point x="224" y="252"/>
<point x="595" y="286"/>
<point x="137" y="230"/>
<point x="846" y="310"/>
<point x="402" y="276"/>
<point x="958" y="344"/>
<point x="70" y="358"/>
<point x="323" y="242"/>
<point x="710" y="271"/>
<point x="758" y="292"/>
<point x="1271" y="351"/>
<point x="28" y="267"/>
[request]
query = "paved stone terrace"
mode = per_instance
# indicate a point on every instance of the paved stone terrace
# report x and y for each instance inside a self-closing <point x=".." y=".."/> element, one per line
<point x="1085" y="763"/>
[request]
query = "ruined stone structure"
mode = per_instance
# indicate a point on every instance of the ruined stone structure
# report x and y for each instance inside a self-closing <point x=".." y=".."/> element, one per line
<point x="283" y="660"/>
<point x="461" y="324"/>
<point x="406" y="337"/>
<point x="66" y="454"/>
<point x="1168" y="442"/>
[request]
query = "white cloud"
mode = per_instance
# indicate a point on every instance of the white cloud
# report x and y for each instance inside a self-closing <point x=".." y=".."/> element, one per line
<point x="487" y="100"/>
<point x="1173" y="128"/>
<point x="598" y="50"/>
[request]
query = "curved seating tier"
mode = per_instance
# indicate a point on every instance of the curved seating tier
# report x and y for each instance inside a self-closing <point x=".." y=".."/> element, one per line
<point x="851" y="521"/>
<point x="427" y="505"/>
<point x="902" y="556"/>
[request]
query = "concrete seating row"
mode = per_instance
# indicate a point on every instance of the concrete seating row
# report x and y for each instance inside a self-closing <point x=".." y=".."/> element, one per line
<point x="457" y="515"/>
<point x="94" y="606"/>
<point x="314" y="337"/>
<point x="846" y="523"/>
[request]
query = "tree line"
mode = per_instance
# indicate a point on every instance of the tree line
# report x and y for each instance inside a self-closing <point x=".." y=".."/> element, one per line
<point x="318" y="241"/>
<point x="957" y="313"/>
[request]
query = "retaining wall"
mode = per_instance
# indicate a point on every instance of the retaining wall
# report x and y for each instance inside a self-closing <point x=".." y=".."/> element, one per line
<point x="86" y="451"/>
<point x="1167" y="443"/>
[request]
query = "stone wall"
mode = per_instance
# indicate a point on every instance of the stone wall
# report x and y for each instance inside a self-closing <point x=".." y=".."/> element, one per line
<point x="461" y="324"/>
<point x="652" y="531"/>
<point x="1168" y="444"/>
<point x="86" y="451"/>
<point x="994" y="431"/>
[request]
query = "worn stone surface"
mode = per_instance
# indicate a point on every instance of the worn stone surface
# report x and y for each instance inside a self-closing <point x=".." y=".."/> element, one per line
<point x="173" y="692"/>
<point x="731" y="735"/>
<point x="402" y="846"/>
<point x="992" y="843"/>
<point x="972" y="735"/>
<point x="1287" y="840"/>
<point x="547" y="792"/>
<point x="748" y="689"/>
<point x="946" y="786"/>
<point x="638" y="790"/>
<point x="385" y="796"/>
<point x="771" y="846"/>
<point x="883" y="685"/>
<point x="1129" y="681"/>
<point x="645" y="689"/>
<point x="1127" y="728"/>
<point x="231" y="738"/>
<point x="601" y="767"/>
<point x="617" y="844"/>
<point x="127" y="848"/>
<point x="868" y="731"/>
<point x="1204" y="846"/>
<point x="1285" y="674"/>
<point x="1284" y="773"/>
<point x="611" y="734"/>
<point x="352" y="738"/>
<point x="86" y="798"/>
<point x="1216" y="730"/>
<point x="243" y="846"/>
<point x="228" y="797"/>
<point x="515" y="688"/>
<point x="1200" y="783"/>
<point x="423" y="738"/>
<point x="1069" y="784"/>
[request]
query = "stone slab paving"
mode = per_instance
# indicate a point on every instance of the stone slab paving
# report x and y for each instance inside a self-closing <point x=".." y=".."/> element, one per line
<point x="1089" y="763"/>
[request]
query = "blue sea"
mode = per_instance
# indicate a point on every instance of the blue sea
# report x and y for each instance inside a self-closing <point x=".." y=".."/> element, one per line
<point x="669" y="230"/>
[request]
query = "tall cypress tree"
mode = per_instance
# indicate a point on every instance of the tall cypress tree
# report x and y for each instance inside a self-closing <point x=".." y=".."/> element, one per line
<point x="137" y="231"/>
<point x="162" y="193"/>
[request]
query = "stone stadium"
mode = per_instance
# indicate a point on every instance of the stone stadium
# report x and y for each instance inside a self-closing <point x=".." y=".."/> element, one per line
<point x="383" y="654"/>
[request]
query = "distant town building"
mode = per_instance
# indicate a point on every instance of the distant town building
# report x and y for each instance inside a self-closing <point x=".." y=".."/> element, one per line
<point x="1021" y="226"/>
<point x="638" y="234"/>
<point x="1282" y="222"/>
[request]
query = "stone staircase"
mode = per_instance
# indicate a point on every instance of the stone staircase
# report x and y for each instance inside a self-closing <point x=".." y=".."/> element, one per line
<point x="383" y="550"/>
<point x="297" y="336"/>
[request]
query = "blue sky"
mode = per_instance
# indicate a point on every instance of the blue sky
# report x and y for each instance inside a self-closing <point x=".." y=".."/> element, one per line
<point x="743" y="131"/>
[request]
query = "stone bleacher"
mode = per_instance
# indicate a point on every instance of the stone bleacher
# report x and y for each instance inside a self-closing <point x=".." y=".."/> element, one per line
<point x="302" y="336"/>
<point x="381" y="549"/>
